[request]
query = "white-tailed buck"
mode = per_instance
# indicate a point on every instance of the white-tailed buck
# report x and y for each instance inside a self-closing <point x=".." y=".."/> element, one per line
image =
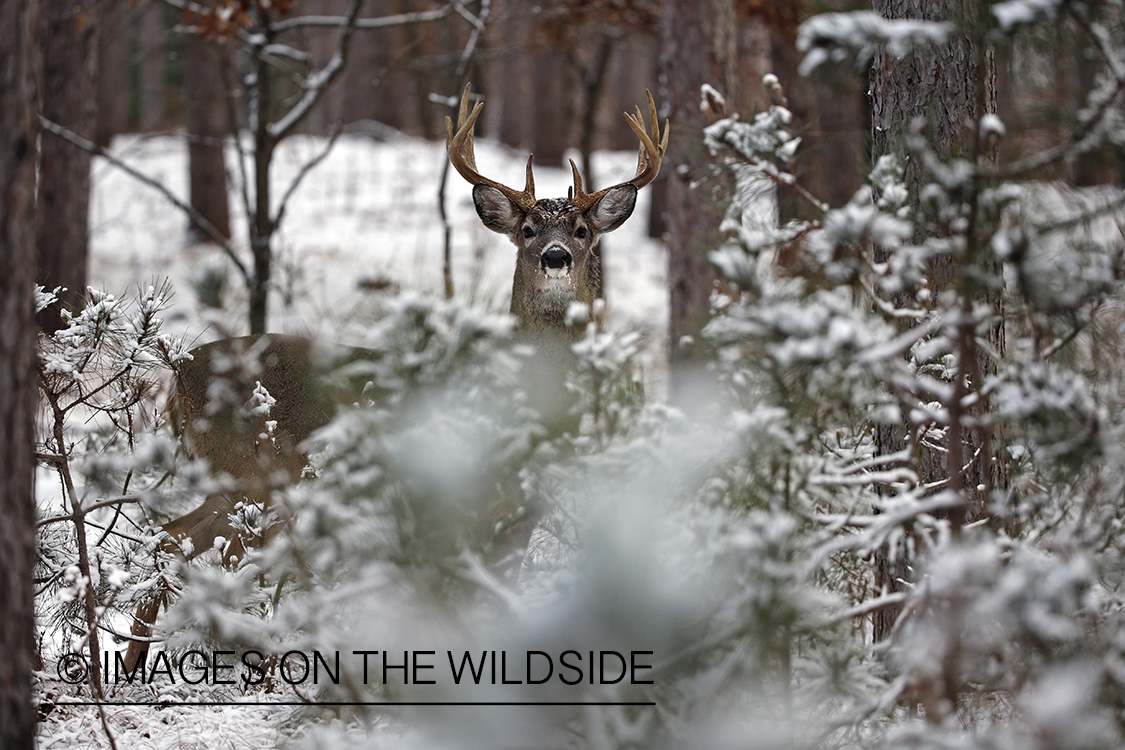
<point x="556" y="267"/>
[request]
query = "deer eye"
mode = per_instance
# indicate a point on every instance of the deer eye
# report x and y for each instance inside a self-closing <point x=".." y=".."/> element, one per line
<point x="580" y="233"/>
<point x="528" y="232"/>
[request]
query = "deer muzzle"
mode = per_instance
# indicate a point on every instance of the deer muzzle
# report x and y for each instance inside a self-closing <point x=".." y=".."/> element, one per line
<point x="556" y="261"/>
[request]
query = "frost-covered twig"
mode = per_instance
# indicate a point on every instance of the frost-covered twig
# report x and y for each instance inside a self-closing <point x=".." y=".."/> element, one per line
<point x="317" y="83"/>
<point x="871" y="605"/>
<point x="826" y="35"/>
<point x="421" y="16"/>
<point x="473" y="571"/>
<point x="877" y="527"/>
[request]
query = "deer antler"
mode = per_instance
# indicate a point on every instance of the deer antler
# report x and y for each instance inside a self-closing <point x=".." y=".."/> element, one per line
<point x="463" y="158"/>
<point x="648" y="158"/>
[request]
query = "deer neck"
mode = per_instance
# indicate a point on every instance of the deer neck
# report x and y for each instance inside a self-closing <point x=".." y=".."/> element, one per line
<point x="542" y="311"/>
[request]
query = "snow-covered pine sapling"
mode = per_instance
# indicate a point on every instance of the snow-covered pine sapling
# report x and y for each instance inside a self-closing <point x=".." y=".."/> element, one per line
<point x="97" y="379"/>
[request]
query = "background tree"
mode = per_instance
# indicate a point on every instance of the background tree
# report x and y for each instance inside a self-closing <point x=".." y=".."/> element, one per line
<point x="698" y="46"/>
<point x="114" y="63"/>
<point x="283" y="85"/>
<point x="830" y="109"/>
<point x="20" y="73"/>
<point x="946" y="90"/>
<point x="69" y="64"/>
<point x="587" y="34"/>
<point x="207" y="117"/>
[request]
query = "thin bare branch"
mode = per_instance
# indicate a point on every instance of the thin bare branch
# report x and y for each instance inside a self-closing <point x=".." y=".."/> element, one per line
<point x="399" y="19"/>
<point x="304" y="171"/>
<point x="240" y="150"/>
<point x="113" y="501"/>
<point x="196" y="218"/>
<point x="318" y="82"/>
<point x="477" y="23"/>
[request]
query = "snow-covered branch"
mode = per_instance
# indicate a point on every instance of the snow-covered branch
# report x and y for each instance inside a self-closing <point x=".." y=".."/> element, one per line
<point x="317" y="83"/>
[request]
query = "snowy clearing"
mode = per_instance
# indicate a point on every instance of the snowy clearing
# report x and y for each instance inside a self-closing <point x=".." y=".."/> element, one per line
<point x="367" y="213"/>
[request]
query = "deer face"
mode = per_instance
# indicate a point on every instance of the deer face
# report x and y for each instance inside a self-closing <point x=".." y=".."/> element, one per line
<point x="556" y="240"/>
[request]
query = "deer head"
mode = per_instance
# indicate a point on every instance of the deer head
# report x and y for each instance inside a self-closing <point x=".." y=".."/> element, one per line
<point x="556" y="264"/>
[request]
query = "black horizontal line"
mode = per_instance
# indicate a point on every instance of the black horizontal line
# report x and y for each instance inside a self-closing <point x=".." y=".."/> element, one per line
<point x="163" y="704"/>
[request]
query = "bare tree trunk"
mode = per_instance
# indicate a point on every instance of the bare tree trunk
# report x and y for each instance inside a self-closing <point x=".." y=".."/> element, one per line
<point x="834" y="123"/>
<point x="69" y="63"/>
<point x="152" y="60"/>
<point x="206" y="115"/>
<point x="593" y="84"/>
<point x="420" y="81"/>
<point x="938" y="84"/>
<point x="261" y="223"/>
<point x="551" y="107"/>
<point x="698" y="46"/>
<point x="113" y="93"/>
<point x="951" y="88"/>
<point x="20" y="74"/>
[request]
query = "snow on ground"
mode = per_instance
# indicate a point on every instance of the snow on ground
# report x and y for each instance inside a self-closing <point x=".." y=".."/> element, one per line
<point x="368" y="212"/>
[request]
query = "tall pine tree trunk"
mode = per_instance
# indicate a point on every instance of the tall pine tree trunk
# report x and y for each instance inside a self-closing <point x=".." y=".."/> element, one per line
<point x="208" y="123"/>
<point x="153" y="61"/>
<point x="949" y="88"/>
<point x="19" y="91"/>
<point x="942" y="85"/>
<point x="830" y="106"/>
<point x="698" y="46"/>
<point x="69" y="65"/>
<point x="112" y="96"/>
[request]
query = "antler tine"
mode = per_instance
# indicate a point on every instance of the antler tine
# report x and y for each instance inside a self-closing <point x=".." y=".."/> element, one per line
<point x="648" y="158"/>
<point x="649" y="155"/>
<point x="462" y="154"/>
<point x="575" y="191"/>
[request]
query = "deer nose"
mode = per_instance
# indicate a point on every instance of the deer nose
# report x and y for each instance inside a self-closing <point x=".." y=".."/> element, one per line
<point x="555" y="257"/>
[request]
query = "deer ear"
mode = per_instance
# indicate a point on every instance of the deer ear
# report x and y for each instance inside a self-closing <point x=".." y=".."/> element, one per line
<point x="497" y="212"/>
<point x="613" y="208"/>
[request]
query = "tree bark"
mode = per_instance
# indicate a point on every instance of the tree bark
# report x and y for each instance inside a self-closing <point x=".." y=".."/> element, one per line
<point x="261" y="223"/>
<point x="698" y="46"/>
<point x="830" y="109"/>
<point x="20" y="73"/>
<point x="208" y="124"/>
<point x="552" y="104"/>
<point x="949" y="88"/>
<point x="938" y="84"/>
<point x="153" y="99"/>
<point x="69" y="64"/>
<point x="113" y="93"/>
<point x="593" y="84"/>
